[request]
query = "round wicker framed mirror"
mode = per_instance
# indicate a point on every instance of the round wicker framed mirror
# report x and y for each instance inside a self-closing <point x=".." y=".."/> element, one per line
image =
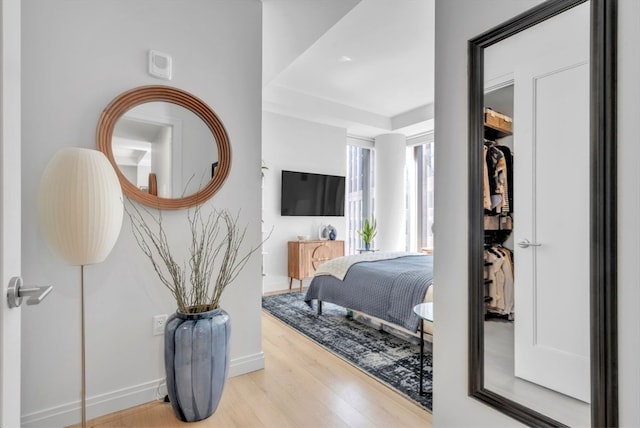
<point x="169" y="148"/>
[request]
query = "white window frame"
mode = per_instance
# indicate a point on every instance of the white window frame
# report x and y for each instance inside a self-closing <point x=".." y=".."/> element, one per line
<point x="415" y="198"/>
<point x="361" y="203"/>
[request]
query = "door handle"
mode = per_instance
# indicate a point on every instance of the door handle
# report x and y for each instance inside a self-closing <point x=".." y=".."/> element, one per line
<point x="524" y="243"/>
<point x="15" y="293"/>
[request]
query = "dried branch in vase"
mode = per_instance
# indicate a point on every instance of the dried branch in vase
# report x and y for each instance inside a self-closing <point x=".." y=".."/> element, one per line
<point x="215" y="257"/>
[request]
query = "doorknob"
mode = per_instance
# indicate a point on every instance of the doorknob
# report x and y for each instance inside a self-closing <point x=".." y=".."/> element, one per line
<point x="16" y="292"/>
<point x="524" y="243"/>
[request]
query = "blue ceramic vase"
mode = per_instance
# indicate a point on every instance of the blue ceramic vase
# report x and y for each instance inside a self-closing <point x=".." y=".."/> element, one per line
<point x="196" y="357"/>
<point x="332" y="233"/>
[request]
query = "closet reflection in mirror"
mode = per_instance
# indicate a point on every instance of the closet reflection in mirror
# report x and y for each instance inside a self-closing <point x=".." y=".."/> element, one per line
<point x="536" y="206"/>
<point x="164" y="149"/>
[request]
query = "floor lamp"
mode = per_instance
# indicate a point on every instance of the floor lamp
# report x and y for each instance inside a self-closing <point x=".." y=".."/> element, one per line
<point x="80" y="213"/>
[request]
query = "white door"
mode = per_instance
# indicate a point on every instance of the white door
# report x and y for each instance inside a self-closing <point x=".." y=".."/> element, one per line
<point x="9" y="210"/>
<point x="551" y="200"/>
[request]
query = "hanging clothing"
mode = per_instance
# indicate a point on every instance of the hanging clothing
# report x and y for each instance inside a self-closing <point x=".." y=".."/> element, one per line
<point x="485" y="179"/>
<point x="507" y="267"/>
<point x="497" y="167"/>
<point x="508" y="157"/>
<point x="499" y="274"/>
<point x="497" y="179"/>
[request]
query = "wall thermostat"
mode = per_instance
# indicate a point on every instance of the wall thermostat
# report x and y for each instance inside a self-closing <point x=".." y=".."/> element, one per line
<point x="160" y="65"/>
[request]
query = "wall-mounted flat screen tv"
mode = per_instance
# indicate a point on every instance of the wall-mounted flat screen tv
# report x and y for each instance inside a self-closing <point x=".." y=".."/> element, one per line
<point x="307" y="194"/>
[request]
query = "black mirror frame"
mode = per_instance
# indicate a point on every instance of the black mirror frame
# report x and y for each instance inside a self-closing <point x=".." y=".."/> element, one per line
<point x="603" y="211"/>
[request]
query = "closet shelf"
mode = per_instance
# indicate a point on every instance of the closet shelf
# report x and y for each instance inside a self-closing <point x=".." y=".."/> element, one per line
<point x="498" y="124"/>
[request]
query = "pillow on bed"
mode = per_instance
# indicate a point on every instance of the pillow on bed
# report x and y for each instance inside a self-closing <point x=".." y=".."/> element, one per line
<point x="428" y="297"/>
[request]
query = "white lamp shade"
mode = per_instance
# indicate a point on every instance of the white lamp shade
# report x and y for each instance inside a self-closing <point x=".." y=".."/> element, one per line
<point x="80" y="205"/>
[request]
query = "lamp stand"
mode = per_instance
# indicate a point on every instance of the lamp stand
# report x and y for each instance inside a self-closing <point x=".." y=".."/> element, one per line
<point x="80" y="194"/>
<point x="84" y="381"/>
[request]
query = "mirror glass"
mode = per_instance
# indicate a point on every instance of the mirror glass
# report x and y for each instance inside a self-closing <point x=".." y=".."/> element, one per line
<point x="150" y="139"/>
<point x="169" y="149"/>
<point x="541" y="161"/>
<point x="536" y="328"/>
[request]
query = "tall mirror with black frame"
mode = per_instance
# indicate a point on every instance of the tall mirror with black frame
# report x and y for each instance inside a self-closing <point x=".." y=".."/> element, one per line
<point x="531" y="208"/>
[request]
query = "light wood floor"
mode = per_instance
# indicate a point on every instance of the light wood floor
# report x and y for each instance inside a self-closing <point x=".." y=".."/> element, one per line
<point x="302" y="385"/>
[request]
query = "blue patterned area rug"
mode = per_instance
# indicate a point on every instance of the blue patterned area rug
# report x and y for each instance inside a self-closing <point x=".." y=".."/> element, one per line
<point x="391" y="360"/>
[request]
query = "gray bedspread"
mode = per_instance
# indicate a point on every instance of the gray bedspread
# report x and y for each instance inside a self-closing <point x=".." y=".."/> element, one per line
<point x="385" y="289"/>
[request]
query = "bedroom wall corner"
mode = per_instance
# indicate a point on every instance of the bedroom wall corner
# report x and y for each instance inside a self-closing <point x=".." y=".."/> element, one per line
<point x="391" y="153"/>
<point x="299" y="145"/>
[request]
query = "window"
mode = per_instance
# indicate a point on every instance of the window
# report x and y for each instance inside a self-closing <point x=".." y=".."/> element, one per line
<point x="418" y="185"/>
<point x="424" y="160"/>
<point x="360" y="193"/>
<point x="420" y="197"/>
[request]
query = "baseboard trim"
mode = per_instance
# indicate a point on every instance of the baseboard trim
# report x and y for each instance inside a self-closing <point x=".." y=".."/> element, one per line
<point x="69" y="414"/>
<point x="246" y="364"/>
<point x="100" y="405"/>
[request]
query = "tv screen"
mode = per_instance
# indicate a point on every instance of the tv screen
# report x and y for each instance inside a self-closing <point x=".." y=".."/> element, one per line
<point x="307" y="194"/>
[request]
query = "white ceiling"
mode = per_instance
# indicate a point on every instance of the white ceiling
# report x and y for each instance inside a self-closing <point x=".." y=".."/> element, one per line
<point x="369" y="70"/>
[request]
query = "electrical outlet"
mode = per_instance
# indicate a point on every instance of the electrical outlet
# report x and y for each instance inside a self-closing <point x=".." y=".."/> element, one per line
<point x="159" y="321"/>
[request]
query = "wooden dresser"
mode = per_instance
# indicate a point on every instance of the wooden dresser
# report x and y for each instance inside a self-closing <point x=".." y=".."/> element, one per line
<point x="306" y="256"/>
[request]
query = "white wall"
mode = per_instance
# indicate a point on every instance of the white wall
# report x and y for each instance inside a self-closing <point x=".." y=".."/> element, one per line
<point x="77" y="56"/>
<point x="390" y="211"/>
<point x="297" y="145"/>
<point x="452" y="406"/>
<point x="628" y="209"/>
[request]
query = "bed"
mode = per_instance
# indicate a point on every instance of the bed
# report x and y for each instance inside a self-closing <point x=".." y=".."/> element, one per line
<point x="381" y="287"/>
